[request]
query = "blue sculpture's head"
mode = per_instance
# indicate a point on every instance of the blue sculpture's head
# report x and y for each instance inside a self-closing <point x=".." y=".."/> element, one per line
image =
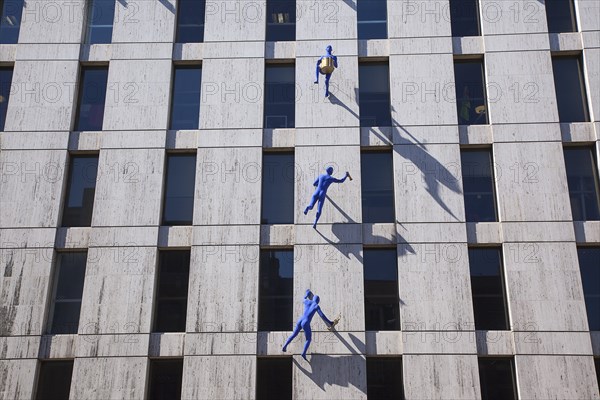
<point x="308" y="294"/>
<point x="329" y="170"/>
<point x="329" y="49"/>
<point x="317" y="299"/>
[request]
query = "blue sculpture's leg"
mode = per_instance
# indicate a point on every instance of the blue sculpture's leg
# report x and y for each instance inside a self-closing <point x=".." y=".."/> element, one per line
<point x="327" y="77"/>
<point x="319" y="209"/>
<point x="308" y="334"/>
<point x="292" y="336"/>
<point x="313" y="200"/>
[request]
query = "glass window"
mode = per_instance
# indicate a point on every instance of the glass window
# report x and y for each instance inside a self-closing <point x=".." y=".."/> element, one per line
<point x="590" y="278"/>
<point x="68" y="289"/>
<point x="11" y="20"/>
<point x="582" y="177"/>
<point x="560" y="15"/>
<point x="276" y="289"/>
<point x="597" y="362"/>
<point x="464" y="18"/>
<point x="470" y="92"/>
<point x="374" y="94"/>
<point x="92" y="95"/>
<point x="384" y="378"/>
<point x="185" y="104"/>
<point x="478" y="185"/>
<point x="54" y="381"/>
<point x="101" y="14"/>
<point x="178" y="207"/>
<point x="81" y="187"/>
<point x="278" y="188"/>
<point x="274" y="378"/>
<point x="372" y="19"/>
<point x="281" y="20"/>
<point x="377" y="186"/>
<point x="382" y="301"/>
<point x="165" y="379"/>
<point x="487" y="288"/>
<point x="496" y="376"/>
<point x="5" y="89"/>
<point x="172" y="293"/>
<point x="570" y="89"/>
<point x="190" y="21"/>
<point x="280" y="96"/>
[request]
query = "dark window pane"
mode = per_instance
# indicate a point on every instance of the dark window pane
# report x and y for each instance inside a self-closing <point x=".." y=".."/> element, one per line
<point x="377" y="182"/>
<point x="5" y="83"/>
<point x="464" y="18"/>
<point x="597" y="362"/>
<point x="560" y="15"/>
<point x="278" y="188"/>
<point x="280" y="96"/>
<point x="69" y="279"/>
<point x="470" y="93"/>
<point x="165" y="379"/>
<point x="382" y="303"/>
<point x="92" y="94"/>
<point x="281" y="20"/>
<point x="79" y="204"/>
<point x="190" y="21"/>
<point x="372" y="19"/>
<point x="276" y="280"/>
<point x="497" y="379"/>
<point x="54" y="381"/>
<point x="570" y="90"/>
<point x="487" y="288"/>
<point x="384" y="378"/>
<point x="274" y="378"/>
<point x="374" y="94"/>
<point x="11" y="21"/>
<point x="101" y="14"/>
<point x="172" y="292"/>
<point x="478" y="185"/>
<point x="185" y="105"/>
<point x="179" y="190"/>
<point x="582" y="178"/>
<point x="590" y="278"/>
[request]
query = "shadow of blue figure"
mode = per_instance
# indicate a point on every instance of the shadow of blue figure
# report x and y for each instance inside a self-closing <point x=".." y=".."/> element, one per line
<point x="322" y="183"/>
<point x="327" y="71"/>
<point x="311" y="306"/>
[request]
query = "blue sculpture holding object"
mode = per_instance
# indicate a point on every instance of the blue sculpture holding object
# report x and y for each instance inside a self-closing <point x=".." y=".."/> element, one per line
<point x="325" y="66"/>
<point x="322" y="183"/>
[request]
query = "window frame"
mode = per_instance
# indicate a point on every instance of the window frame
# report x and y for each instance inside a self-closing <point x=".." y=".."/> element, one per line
<point x="370" y="63"/>
<point x="287" y="152"/>
<point x="511" y="360"/>
<point x="80" y="89"/>
<point x="397" y="302"/>
<point x="472" y="60"/>
<point x="159" y="299"/>
<point x="279" y="65"/>
<point x="163" y="220"/>
<point x="595" y="175"/>
<point x="494" y="193"/>
<point x="582" y="85"/>
<point x="174" y="69"/>
<point x="386" y="150"/>
<point x="260" y="320"/>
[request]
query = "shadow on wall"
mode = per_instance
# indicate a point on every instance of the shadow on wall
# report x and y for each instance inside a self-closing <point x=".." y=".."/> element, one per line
<point x="334" y="371"/>
<point x="168" y="5"/>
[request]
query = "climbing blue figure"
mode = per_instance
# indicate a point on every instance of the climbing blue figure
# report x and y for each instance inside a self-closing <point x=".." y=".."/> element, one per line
<point x="325" y="66"/>
<point x="322" y="183"/>
<point x="311" y="306"/>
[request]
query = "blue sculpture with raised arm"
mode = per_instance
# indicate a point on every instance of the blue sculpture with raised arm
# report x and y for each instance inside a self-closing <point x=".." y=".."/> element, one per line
<point x="326" y="66"/>
<point x="322" y="183"/>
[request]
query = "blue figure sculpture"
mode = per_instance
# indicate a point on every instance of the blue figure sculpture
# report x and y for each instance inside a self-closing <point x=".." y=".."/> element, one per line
<point x="322" y="183"/>
<point x="325" y="66"/>
<point x="311" y="306"/>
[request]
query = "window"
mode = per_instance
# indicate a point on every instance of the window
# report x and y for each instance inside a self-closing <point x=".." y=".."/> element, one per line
<point x="281" y="20"/>
<point x="496" y="376"/>
<point x="582" y="177"/>
<point x="478" y="185"/>
<point x="464" y="18"/>
<point x="165" y="379"/>
<point x="374" y="94"/>
<point x="274" y="378"/>
<point x="372" y="19"/>
<point x="590" y="278"/>
<point x="384" y="378"/>
<point x="190" y="21"/>
<point x="185" y="104"/>
<point x="470" y="92"/>
<point x="560" y="15"/>
<point x="67" y="292"/>
<point x="382" y="302"/>
<point x="5" y="89"/>
<point x="377" y="182"/>
<point x="11" y="20"/>
<point x="570" y="89"/>
<point x="171" y="298"/>
<point x="280" y="97"/>
<point x="278" y="188"/>
<point x="487" y="288"/>
<point x="100" y="21"/>
<point x="178" y="207"/>
<point x="92" y="94"/>
<point x="54" y="381"/>
<point x="597" y="362"/>
<point x="81" y="187"/>
<point x="276" y="288"/>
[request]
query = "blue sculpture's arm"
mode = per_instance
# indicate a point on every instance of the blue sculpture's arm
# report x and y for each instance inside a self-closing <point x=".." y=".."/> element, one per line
<point x="340" y="180"/>
<point x="323" y="317"/>
<point x="335" y="61"/>
<point x="316" y="182"/>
